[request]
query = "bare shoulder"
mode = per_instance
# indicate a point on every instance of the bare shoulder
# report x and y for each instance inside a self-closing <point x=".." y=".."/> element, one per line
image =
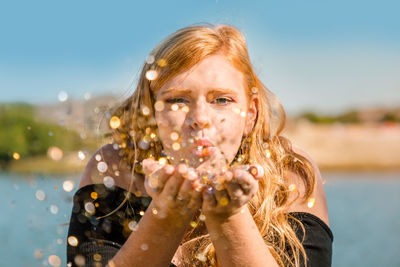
<point x="316" y="204"/>
<point x="106" y="161"/>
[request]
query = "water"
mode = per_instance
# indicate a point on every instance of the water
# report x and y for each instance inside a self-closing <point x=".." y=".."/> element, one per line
<point x="364" y="216"/>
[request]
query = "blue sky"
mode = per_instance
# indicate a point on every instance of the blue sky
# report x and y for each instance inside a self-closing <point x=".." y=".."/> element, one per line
<point x="328" y="56"/>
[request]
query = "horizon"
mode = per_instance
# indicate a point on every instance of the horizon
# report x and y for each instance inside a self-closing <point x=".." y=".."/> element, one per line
<point x="328" y="57"/>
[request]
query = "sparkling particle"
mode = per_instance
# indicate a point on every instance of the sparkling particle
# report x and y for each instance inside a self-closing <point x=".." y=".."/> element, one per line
<point x="144" y="246"/>
<point x="243" y="114"/>
<point x="193" y="224"/>
<point x="202" y="217"/>
<point x="54" y="209"/>
<point x="176" y="146"/>
<point x="162" y="161"/>
<point x="102" y="166"/>
<point x="54" y="260"/>
<point x="94" y="195"/>
<point x="89" y="207"/>
<point x="155" y="211"/>
<point x="133" y="225"/>
<point x="143" y="144"/>
<point x="68" y="185"/>
<point x="223" y="201"/>
<point x="115" y="122"/>
<point x="108" y="181"/>
<point x="79" y="260"/>
<point x="153" y="135"/>
<point x="55" y="153"/>
<point x="267" y="153"/>
<point x="174" y="107"/>
<point x="98" y="157"/>
<point x="16" y="156"/>
<point x="87" y="96"/>
<point x="292" y="188"/>
<point x="162" y="62"/>
<point x="97" y="257"/>
<point x="141" y="212"/>
<point x="236" y="110"/>
<point x="174" y="136"/>
<point x="254" y="90"/>
<point x="81" y="155"/>
<point x="311" y="202"/>
<point x="151" y="75"/>
<point x="40" y="195"/>
<point x="185" y="109"/>
<point x="159" y="106"/>
<point x="72" y="241"/>
<point x="38" y="254"/>
<point x="150" y="59"/>
<point x="145" y="111"/>
<point x="62" y="96"/>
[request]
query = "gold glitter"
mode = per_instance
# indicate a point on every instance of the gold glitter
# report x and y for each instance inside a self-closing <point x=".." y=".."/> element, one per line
<point x="153" y="135"/>
<point x="81" y="155"/>
<point x="254" y="90"/>
<point x="145" y="111"/>
<point x="236" y="110"/>
<point x="176" y="146"/>
<point x="96" y="205"/>
<point x="115" y="122"/>
<point x="72" y="241"/>
<point x="185" y="109"/>
<point x="16" y="156"/>
<point x="162" y="161"/>
<point x="162" y="62"/>
<point x="54" y="260"/>
<point x="193" y="224"/>
<point x="267" y="153"/>
<point x="159" y="106"/>
<point x="292" y="188"/>
<point x="133" y="225"/>
<point x="202" y="217"/>
<point x="174" y="136"/>
<point x="97" y="257"/>
<point x="151" y="75"/>
<point x="93" y="195"/>
<point x="155" y="211"/>
<point x="311" y="202"/>
<point x="243" y="114"/>
<point x="98" y="157"/>
<point x="55" y="153"/>
<point x="141" y="212"/>
<point x="68" y="185"/>
<point x="89" y="207"/>
<point x="201" y="257"/>
<point x="223" y="201"/>
<point x="174" y="107"/>
<point x="201" y="159"/>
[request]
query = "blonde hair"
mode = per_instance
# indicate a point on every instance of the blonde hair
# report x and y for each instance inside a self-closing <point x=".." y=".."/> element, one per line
<point x="137" y="135"/>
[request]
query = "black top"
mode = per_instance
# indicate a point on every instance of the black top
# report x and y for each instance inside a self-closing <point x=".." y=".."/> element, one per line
<point x="99" y="240"/>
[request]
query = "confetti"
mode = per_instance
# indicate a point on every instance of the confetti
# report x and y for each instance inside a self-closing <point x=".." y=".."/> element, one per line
<point x="79" y="260"/>
<point x="16" y="156"/>
<point x="115" y="122"/>
<point x="54" y="209"/>
<point x="144" y="246"/>
<point x="102" y="166"/>
<point x="40" y="195"/>
<point x="145" y="111"/>
<point x="151" y="75"/>
<point x="150" y="59"/>
<point x="55" y="153"/>
<point x="292" y="188"/>
<point x="81" y="155"/>
<point x="176" y="146"/>
<point x="174" y="136"/>
<point x="159" y="106"/>
<point x="54" y="260"/>
<point x="223" y="201"/>
<point x="311" y="202"/>
<point x="133" y="225"/>
<point x="108" y="181"/>
<point x="162" y="62"/>
<point x="94" y="195"/>
<point x="98" y="157"/>
<point x="174" y="107"/>
<point x="90" y="208"/>
<point x="62" y="96"/>
<point x="72" y="241"/>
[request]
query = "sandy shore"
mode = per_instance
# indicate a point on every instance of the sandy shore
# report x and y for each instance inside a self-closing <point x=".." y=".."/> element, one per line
<point x="349" y="147"/>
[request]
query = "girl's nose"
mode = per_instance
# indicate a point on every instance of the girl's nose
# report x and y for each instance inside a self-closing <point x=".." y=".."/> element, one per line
<point x="200" y="116"/>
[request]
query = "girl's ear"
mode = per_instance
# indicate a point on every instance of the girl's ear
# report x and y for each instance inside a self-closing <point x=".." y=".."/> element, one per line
<point x="251" y="115"/>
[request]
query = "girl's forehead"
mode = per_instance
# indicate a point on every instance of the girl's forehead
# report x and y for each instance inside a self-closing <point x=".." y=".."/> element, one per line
<point x="211" y="73"/>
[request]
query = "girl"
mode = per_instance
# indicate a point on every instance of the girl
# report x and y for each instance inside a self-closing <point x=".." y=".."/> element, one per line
<point x="198" y="174"/>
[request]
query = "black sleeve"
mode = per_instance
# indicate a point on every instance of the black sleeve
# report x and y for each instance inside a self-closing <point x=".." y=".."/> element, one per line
<point x="92" y="241"/>
<point x="317" y="241"/>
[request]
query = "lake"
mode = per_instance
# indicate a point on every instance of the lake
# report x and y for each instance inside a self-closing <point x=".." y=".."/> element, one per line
<point x="364" y="210"/>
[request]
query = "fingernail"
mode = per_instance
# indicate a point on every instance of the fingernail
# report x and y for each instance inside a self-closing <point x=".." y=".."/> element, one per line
<point x="257" y="171"/>
<point x="182" y="168"/>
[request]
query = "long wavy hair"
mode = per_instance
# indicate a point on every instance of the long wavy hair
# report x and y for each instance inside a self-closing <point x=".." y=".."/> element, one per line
<point x="137" y="135"/>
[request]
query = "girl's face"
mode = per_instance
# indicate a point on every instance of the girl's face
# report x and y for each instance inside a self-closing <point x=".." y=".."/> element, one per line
<point x="204" y="106"/>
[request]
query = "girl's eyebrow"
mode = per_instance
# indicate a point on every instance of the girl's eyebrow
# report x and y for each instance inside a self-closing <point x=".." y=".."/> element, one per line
<point x="212" y="91"/>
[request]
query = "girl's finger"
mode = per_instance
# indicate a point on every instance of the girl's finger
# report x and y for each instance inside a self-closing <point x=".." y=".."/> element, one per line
<point x="157" y="179"/>
<point x="235" y="192"/>
<point x="244" y="179"/>
<point x="173" y="184"/>
<point x="208" y="197"/>
<point x="186" y="190"/>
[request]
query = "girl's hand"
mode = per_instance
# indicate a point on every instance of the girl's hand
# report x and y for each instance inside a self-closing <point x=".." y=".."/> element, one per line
<point x="173" y="190"/>
<point x="231" y="191"/>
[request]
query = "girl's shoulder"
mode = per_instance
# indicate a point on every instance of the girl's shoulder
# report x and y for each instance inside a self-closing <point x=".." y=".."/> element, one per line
<point x="107" y="165"/>
<point x="316" y="204"/>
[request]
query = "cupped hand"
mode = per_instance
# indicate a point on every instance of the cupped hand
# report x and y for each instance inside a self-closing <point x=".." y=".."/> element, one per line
<point x="230" y="191"/>
<point x="174" y="190"/>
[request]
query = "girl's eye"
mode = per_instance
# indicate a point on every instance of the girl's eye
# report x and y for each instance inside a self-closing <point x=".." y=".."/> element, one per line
<point x="176" y="100"/>
<point x="223" y="100"/>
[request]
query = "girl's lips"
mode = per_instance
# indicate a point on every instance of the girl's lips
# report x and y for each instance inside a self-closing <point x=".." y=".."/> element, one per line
<point x="203" y="143"/>
<point x="203" y="148"/>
